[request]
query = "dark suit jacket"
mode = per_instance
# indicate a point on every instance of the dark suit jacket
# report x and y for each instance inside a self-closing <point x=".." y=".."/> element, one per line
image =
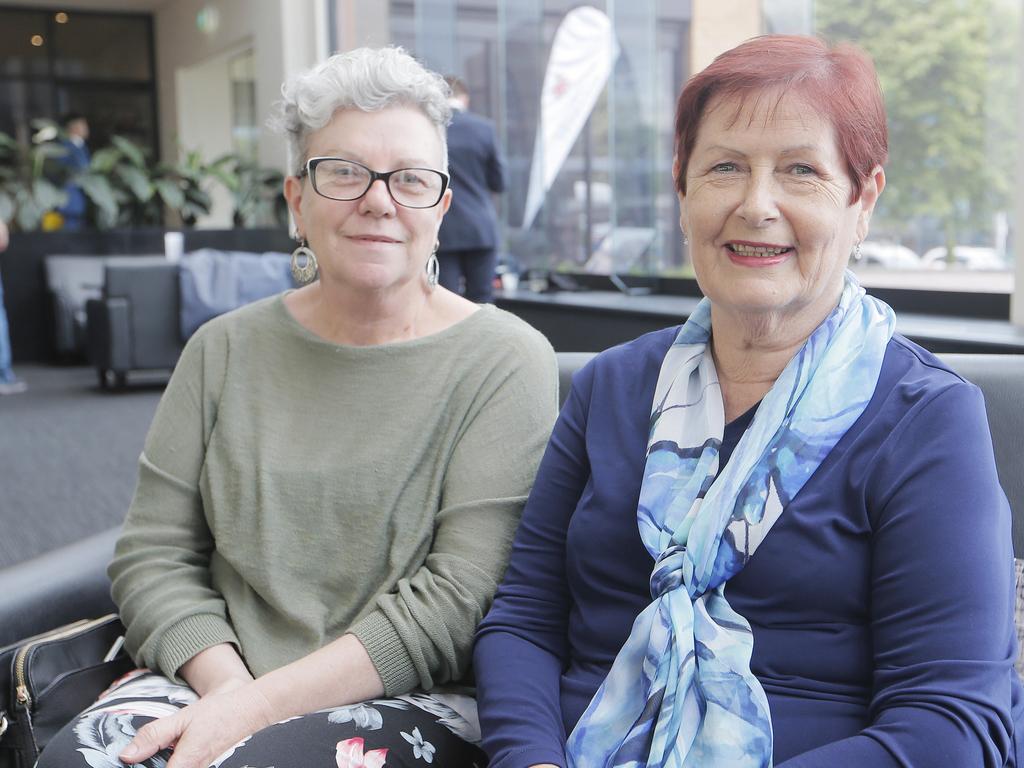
<point x="477" y="171"/>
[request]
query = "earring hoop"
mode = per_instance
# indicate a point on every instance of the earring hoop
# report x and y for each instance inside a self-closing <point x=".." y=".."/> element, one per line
<point x="305" y="272"/>
<point x="434" y="267"/>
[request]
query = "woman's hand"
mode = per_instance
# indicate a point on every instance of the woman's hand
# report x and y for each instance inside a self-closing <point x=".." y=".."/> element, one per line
<point x="233" y="706"/>
<point x="224" y="715"/>
<point x="204" y="730"/>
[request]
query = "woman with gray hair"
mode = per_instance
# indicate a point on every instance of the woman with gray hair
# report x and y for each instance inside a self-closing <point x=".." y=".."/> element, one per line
<point x="328" y="491"/>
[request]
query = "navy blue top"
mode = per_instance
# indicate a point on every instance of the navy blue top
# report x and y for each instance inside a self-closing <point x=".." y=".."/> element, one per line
<point x="881" y="602"/>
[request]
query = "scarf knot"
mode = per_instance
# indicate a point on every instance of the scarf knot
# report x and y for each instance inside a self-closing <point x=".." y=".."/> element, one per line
<point x="668" y="571"/>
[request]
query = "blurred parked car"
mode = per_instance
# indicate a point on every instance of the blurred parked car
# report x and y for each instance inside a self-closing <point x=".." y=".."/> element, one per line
<point x="964" y="257"/>
<point x="889" y="255"/>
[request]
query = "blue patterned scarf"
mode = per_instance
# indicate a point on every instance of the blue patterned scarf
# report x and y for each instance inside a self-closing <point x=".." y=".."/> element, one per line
<point x="680" y="693"/>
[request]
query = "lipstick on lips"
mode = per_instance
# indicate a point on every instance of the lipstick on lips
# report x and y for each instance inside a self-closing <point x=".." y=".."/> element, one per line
<point x="750" y="254"/>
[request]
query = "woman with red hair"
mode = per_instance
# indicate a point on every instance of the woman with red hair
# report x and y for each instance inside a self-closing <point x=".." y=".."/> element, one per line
<point x="773" y="535"/>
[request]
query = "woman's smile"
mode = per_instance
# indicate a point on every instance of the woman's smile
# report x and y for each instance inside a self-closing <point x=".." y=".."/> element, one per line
<point x="752" y="254"/>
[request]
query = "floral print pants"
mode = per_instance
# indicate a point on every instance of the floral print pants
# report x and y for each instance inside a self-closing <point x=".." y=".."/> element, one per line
<point x="411" y="731"/>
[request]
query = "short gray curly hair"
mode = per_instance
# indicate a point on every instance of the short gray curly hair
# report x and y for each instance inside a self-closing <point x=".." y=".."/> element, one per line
<point x="368" y="79"/>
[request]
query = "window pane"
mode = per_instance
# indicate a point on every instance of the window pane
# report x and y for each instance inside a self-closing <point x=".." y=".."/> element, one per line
<point x="245" y="131"/>
<point x="606" y="201"/>
<point x="20" y="103"/>
<point x="109" y="110"/>
<point x="23" y="43"/>
<point x="435" y="34"/>
<point x="102" y="46"/>
<point x="949" y="72"/>
<point x="632" y="239"/>
<point x="522" y="51"/>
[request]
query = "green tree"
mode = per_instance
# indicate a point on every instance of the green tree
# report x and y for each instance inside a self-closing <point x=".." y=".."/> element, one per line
<point x="948" y="72"/>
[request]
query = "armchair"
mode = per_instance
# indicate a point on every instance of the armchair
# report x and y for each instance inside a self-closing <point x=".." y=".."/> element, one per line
<point x="150" y="307"/>
<point x="134" y="326"/>
<point x="72" y="282"/>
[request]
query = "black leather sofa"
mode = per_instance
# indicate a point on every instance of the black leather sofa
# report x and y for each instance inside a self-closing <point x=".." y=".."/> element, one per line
<point x="70" y="583"/>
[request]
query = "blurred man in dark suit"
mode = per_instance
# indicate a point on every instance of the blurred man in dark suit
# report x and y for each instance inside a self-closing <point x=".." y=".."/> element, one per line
<point x="76" y="158"/>
<point x="469" y="232"/>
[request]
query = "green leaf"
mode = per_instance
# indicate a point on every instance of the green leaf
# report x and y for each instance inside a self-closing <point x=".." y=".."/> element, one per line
<point x="6" y="206"/>
<point x="107" y="219"/>
<point x="199" y="198"/>
<point x="137" y="182"/>
<point x="130" y="150"/>
<point x="228" y="159"/>
<point x="51" y="151"/>
<point x="104" y="160"/>
<point x="29" y="213"/>
<point x="170" y="193"/>
<point x="226" y="177"/>
<point x="98" y="189"/>
<point x="47" y="195"/>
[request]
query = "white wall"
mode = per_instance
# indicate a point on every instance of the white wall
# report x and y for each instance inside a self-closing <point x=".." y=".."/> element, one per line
<point x="282" y="34"/>
<point x="206" y="89"/>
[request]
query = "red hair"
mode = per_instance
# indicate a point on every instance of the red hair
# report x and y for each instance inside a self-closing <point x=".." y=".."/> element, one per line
<point x="839" y="82"/>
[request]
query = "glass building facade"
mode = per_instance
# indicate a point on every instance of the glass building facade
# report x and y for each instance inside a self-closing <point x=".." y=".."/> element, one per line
<point x="949" y="70"/>
<point x="100" y="65"/>
<point x="610" y="205"/>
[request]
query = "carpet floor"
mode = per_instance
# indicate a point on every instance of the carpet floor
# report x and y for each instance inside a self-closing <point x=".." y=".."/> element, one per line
<point x="68" y="456"/>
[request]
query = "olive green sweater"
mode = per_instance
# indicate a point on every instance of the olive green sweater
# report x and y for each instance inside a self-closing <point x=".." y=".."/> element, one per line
<point x="292" y="490"/>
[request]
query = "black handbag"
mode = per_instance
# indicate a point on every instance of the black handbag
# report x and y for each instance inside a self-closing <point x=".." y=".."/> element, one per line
<point x="46" y="680"/>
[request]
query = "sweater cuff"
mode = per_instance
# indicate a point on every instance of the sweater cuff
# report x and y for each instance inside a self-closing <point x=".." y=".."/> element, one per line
<point x="387" y="652"/>
<point x="193" y="634"/>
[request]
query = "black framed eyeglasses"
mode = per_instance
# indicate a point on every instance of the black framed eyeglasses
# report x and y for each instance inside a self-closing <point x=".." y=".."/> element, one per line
<point x="338" y="179"/>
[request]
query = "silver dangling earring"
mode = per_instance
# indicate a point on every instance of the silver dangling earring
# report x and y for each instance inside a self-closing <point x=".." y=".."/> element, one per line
<point x="856" y="253"/>
<point x="304" y="273"/>
<point x="686" y="240"/>
<point x="433" y="266"/>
